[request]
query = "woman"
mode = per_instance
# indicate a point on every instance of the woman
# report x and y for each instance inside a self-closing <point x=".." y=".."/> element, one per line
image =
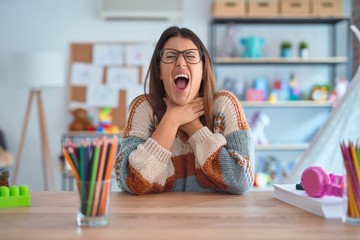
<point x="183" y="136"/>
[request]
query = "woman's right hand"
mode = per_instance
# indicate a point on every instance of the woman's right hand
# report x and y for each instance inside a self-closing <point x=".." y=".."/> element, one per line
<point x="183" y="114"/>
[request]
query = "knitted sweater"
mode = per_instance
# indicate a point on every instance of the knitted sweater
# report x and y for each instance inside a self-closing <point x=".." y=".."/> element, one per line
<point x="220" y="160"/>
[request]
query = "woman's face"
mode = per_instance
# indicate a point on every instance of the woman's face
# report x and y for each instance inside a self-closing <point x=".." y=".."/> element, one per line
<point x="181" y="79"/>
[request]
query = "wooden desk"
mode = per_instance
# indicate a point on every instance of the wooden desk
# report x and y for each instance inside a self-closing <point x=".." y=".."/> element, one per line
<point x="256" y="215"/>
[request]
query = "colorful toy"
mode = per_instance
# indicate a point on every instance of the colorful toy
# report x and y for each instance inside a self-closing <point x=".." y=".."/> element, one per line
<point x="258" y="123"/>
<point x="4" y="178"/>
<point x="262" y="180"/>
<point x="294" y="91"/>
<point x="252" y="46"/>
<point x="319" y="93"/>
<point x="235" y="86"/>
<point x="6" y="158"/>
<point x="341" y="86"/>
<point x="281" y="89"/>
<point x="105" y="121"/>
<point x="14" y="196"/>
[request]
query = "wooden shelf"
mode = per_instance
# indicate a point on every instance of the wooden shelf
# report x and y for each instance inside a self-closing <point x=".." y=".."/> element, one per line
<point x="282" y="147"/>
<point x="287" y="104"/>
<point x="280" y="60"/>
<point x="282" y="20"/>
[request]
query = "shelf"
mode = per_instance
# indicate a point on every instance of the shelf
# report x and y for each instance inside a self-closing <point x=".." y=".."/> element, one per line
<point x="287" y="104"/>
<point x="282" y="20"/>
<point x="280" y="60"/>
<point x="282" y="147"/>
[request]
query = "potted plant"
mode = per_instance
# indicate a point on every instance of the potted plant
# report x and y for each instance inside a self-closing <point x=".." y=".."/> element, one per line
<point x="303" y="49"/>
<point x="285" y="49"/>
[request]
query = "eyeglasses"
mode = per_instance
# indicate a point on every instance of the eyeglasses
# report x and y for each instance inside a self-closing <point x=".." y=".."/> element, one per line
<point x="169" y="55"/>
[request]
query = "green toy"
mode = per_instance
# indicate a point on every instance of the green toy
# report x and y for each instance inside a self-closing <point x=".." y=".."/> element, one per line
<point x="14" y="196"/>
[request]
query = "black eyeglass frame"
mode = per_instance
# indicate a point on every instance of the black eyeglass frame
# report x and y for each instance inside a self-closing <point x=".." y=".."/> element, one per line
<point x="201" y="54"/>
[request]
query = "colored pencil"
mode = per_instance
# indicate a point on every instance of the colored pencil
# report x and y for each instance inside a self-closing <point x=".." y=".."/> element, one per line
<point x="107" y="176"/>
<point x="93" y="178"/>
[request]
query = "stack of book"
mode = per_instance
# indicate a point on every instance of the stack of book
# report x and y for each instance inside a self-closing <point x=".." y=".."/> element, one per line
<point x="326" y="207"/>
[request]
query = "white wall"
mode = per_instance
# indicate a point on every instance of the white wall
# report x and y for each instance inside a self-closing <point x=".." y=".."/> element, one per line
<point x="52" y="25"/>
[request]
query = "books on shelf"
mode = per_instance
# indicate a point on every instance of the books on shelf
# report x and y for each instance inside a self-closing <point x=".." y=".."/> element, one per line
<point x="326" y="207"/>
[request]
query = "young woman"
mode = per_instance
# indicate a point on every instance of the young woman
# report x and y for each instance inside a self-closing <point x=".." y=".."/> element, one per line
<point x="182" y="136"/>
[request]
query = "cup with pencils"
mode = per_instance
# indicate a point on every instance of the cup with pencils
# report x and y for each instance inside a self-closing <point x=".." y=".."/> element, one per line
<point x="91" y="162"/>
<point x="351" y="182"/>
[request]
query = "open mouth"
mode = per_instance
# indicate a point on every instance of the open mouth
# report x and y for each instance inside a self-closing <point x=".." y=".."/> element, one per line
<point x="181" y="81"/>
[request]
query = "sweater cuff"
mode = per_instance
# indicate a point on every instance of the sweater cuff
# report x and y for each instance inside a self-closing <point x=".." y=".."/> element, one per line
<point x="205" y="143"/>
<point x="199" y="136"/>
<point x="159" y="152"/>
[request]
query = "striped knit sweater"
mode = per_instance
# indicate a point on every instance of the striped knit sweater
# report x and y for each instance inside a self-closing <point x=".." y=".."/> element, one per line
<point x="220" y="160"/>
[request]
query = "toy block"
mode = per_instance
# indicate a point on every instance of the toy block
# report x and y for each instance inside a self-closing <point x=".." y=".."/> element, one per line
<point x="14" y="196"/>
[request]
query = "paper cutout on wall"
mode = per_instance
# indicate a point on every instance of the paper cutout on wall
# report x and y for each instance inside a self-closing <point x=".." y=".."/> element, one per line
<point x="122" y="77"/>
<point x="107" y="54"/>
<point x="138" y="54"/>
<point x="84" y="74"/>
<point x="102" y="95"/>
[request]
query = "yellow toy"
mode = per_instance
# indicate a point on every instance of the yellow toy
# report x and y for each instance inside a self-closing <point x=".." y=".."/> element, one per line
<point x="105" y="121"/>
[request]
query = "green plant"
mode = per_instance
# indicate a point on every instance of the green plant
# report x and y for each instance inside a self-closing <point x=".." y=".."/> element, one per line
<point x="286" y="44"/>
<point x="303" y="45"/>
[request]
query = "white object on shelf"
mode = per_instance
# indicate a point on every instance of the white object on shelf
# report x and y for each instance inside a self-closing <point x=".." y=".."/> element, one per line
<point x="141" y="9"/>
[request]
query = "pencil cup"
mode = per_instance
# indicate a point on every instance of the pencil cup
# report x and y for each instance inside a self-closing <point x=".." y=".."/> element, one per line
<point x="94" y="201"/>
<point x="350" y="201"/>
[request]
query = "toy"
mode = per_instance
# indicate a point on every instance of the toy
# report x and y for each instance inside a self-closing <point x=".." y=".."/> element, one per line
<point x="255" y="95"/>
<point x="339" y="91"/>
<point x="4" y="178"/>
<point x="259" y="121"/>
<point x="294" y="91"/>
<point x="235" y="86"/>
<point x="6" y="158"/>
<point x="81" y="121"/>
<point x="281" y="89"/>
<point x="227" y="47"/>
<point x="319" y="93"/>
<point x="105" y="121"/>
<point x="262" y="180"/>
<point x="14" y="196"/>
<point x="252" y="46"/>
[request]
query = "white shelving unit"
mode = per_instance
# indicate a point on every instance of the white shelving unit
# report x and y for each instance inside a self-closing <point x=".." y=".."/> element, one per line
<point x="330" y="45"/>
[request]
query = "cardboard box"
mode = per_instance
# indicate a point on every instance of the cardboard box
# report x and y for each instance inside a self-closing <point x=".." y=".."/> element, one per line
<point x="327" y="8"/>
<point x="263" y="8"/>
<point x="295" y="8"/>
<point x="229" y="8"/>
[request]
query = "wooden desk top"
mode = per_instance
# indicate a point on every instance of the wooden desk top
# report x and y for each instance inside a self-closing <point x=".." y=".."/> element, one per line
<point x="256" y="215"/>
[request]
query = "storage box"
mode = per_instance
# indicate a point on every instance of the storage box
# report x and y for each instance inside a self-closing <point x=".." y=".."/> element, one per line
<point x="295" y="8"/>
<point x="327" y="8"/>
<point x="229" y="8"/>
<point x="263" y="8"/>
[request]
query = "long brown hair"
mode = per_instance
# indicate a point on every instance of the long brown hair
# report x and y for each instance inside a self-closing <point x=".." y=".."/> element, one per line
<point x="156" y="88"/>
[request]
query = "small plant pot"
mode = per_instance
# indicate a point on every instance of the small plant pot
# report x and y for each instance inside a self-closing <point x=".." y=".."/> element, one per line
<point x="285" y="52"/>
<point x="304" y="52"/>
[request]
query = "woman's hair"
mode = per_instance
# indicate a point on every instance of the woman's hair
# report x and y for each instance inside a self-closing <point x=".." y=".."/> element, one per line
<point x="156" y="87"/>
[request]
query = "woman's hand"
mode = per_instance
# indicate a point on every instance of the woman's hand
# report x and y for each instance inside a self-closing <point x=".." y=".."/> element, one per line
<point x="186" y="117"/>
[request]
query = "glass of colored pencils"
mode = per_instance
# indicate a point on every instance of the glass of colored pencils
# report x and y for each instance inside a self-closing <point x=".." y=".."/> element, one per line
<point x="351" y="182"/>
<point x="91" y="163"/>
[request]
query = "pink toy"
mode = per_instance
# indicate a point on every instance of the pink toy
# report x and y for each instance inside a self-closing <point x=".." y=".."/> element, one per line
<point x="317" y="183"/>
